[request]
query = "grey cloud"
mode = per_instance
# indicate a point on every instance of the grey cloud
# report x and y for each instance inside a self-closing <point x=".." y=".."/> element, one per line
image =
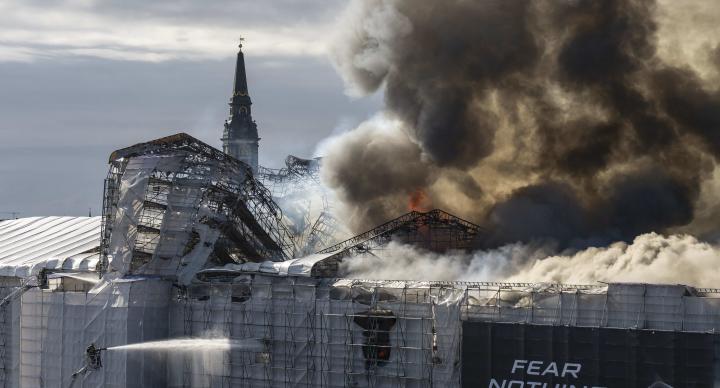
<point x="224" y="12"/>
<point x="163" y="30"/>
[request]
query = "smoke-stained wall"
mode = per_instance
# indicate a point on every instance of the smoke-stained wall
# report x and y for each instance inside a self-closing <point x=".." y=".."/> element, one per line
<point x="585" y="122"/>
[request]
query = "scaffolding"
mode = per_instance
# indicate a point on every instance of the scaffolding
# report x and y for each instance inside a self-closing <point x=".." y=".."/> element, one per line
<point x="365" y="333"/>
<point x="300" y="331"/>
<point x="170" y="201"/>
<point x="434" y="230"/>
<point x="298" y="187"/>
<point x="192" y="245"/>
<point x="54" y="325"/>
<point x="297" y="175"/>
<point x="320" y="334"/>
<point x="10" y="291"/>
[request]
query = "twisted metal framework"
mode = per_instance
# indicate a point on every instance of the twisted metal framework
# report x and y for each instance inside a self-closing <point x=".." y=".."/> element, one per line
<point x="322" y="233"/>
<point x="435" y="230"/>
<point x="251" y="224"/>
<point x="299" y="176"/>
<point x="111" y="194"/>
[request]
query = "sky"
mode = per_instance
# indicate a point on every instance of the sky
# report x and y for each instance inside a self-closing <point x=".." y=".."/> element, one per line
<point x="81" y="78"/>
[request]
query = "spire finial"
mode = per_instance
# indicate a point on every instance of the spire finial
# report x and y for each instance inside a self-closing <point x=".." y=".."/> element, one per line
<point x="241" y="39"/>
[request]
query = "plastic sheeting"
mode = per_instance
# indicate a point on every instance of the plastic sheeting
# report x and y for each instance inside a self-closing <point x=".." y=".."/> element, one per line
<point x="295" y="267"/>
<point x="313" y="339"/>
<point x="313" y="332"/>
<point x="312" y="336"/>
<point x="28" y="245"/>
<point x="301" y="266"/>
<point x="56" y="327"/>
<point x="311" y="329"/>
<point x="130" y="205"/>
<point x="9" y="338"/>
<point x="163" y="222"/>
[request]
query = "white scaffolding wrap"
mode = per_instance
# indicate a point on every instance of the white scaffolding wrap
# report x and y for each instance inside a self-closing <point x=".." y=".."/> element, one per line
<point x="28" y="245"/>
<point x="130" y="206"/>
<point x="304" y="331"/>
<point x="56" y="327"/>
<point x="313" y="334"/>
<point x="298" y="331"/>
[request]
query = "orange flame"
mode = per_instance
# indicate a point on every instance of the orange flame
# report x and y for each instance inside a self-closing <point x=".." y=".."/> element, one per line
<point x="419" y="201"/>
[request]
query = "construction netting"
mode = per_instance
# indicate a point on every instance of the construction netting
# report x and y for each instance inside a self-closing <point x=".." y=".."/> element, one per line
<point x="193" y="249"/>
<point x="299" y="331"/>
<point x="321" y="333"/>
<point x="9" y="330"/>
<point x="56" y="325"/>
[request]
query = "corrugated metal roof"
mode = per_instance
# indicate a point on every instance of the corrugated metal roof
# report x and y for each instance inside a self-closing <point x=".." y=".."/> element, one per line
<point x="30" y="244"/>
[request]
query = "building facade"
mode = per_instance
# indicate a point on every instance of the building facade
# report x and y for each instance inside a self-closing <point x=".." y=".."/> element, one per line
<point x="191" y="250"/>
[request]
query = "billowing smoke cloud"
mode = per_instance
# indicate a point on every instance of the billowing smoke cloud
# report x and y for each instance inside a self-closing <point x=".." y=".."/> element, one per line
<point x="650" y="258"/>
<point x="377" y="155"/>
<point x="404" y="262"/>
<point x="577" y="121"/>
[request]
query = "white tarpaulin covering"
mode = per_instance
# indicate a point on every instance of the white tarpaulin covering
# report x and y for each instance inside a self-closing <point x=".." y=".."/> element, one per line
<point x="307" y="331"/>
<point x="301" y="266"/>
<point x="56" y="327"/>
<point x="30" y="244"/>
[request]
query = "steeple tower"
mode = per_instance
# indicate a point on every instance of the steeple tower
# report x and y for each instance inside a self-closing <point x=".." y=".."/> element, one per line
<point x="240" y="138"/>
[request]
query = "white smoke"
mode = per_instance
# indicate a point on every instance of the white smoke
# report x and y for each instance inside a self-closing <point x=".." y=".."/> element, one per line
<point x="650" y="258"/>
<point x="404" y="262"/>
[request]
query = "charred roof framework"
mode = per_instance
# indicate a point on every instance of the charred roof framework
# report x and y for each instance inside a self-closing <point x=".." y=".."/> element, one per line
<point x="250" y="222"/>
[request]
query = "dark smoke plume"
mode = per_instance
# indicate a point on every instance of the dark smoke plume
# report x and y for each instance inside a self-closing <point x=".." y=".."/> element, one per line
<point x="568" y="120"/>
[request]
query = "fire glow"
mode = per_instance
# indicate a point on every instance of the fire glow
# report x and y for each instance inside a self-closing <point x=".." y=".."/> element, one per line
<point x="419" y="201"/>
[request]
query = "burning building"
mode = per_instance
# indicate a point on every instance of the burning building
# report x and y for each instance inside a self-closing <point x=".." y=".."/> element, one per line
<point x="202" y="247"/>
<point x="191" y="245"/>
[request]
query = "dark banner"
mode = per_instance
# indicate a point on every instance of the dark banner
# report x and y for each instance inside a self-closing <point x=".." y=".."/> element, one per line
<point x="505" y="355"/>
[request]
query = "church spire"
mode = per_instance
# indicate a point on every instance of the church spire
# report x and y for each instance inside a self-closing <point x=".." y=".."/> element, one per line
<point x="240" y="89"/>
<point x="240" y="138"/>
